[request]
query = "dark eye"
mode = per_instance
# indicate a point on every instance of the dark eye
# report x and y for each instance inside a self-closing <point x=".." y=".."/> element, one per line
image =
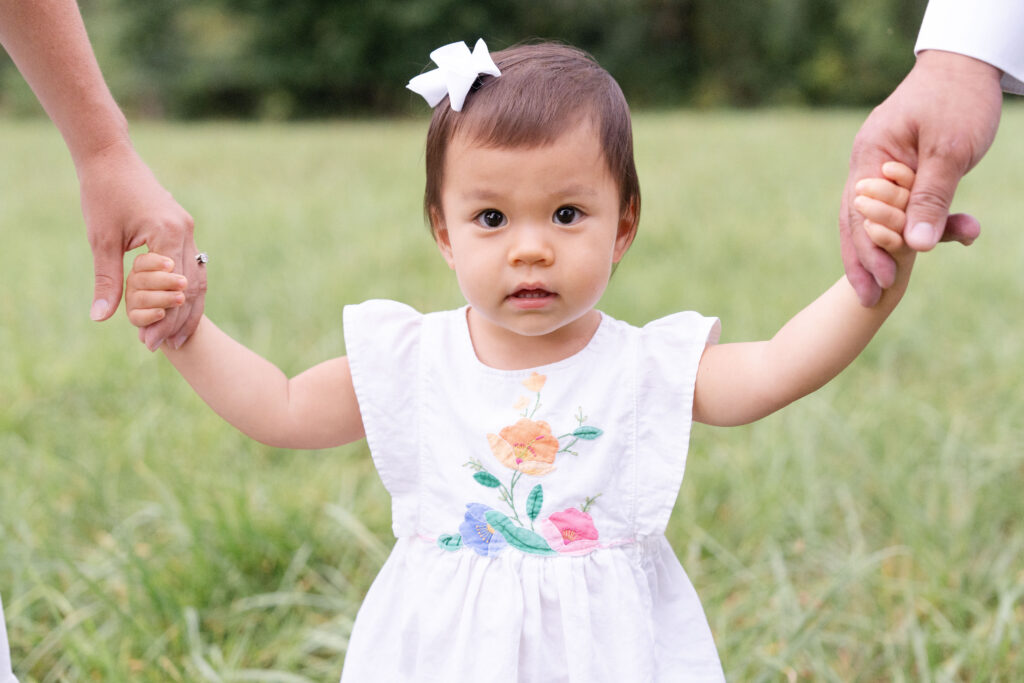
<point x="491" y="218"/>
<point x="567" y="215"/>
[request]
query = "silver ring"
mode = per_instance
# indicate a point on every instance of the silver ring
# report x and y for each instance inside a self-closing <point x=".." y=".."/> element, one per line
<point x="202" y="259"/>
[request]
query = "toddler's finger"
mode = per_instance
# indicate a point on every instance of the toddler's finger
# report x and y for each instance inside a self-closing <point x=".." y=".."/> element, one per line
<point x="148" y="298"/>
<point x="885" y="191"/>
<point x="883" y="237"/>
<point x="141" y="317"/>
<point x="157" y="280"/>
<point x="152" y="261"/>
<point x="899" y="173"/>
<point x="880" y="212"/>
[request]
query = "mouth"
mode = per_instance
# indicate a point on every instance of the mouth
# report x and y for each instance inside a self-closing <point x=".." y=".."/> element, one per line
<point x="531" y="297"/>
<point x="531" y="293"/>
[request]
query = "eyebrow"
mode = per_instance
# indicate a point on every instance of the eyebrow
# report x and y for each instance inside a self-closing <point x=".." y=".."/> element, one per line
<point x="480" y="195"/>
<point x="483" y="194"/>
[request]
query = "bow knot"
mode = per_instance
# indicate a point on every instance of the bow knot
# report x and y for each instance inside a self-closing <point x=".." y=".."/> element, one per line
<point x="457" y="70"/>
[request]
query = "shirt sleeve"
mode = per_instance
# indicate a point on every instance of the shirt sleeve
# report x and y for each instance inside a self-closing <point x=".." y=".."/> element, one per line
<point x="989" y="30"/>
<point x="382" y="341"/>
<point x="669" y="352"/>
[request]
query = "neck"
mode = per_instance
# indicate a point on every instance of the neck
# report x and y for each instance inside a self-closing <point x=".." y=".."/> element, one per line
<point x="499" y="348"/>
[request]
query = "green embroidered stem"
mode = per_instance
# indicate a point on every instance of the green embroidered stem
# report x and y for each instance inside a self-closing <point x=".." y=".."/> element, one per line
<point x="510" y="491"/>
<point x="582" y="432"/>
<point x="567" y="449"/>
<point x="536" y="405"/>
<point x="588" y="502"/>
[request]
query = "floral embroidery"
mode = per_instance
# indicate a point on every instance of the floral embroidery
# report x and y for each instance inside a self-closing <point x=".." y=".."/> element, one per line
<point x="570" y="531"/>
<point x="478" y="534"/>
<point x="535" y="382"/>
<point x="529" y="448"/>
<point x="526" y="446"/>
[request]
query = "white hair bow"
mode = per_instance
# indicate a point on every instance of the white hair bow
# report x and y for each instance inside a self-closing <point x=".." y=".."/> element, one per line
<point x="455" y="74"/>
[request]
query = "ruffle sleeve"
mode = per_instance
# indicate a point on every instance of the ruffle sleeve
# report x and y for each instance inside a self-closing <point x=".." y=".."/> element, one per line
<point x="669" y="353"/>
<point x="383" y="341"/>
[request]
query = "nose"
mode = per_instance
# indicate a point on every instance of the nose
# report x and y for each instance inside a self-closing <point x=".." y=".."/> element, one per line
<point x="531" y="245"/>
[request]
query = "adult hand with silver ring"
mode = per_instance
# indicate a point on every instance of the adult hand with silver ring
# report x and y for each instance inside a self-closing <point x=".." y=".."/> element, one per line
<point x="125" y="207"/>
<point x="123" y="203"/>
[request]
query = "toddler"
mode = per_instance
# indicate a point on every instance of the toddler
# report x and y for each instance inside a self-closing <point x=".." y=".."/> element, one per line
<point x="532" y="445"/>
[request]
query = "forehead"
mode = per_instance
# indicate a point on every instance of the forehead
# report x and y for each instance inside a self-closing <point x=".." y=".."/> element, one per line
<point x="576" y="158"/>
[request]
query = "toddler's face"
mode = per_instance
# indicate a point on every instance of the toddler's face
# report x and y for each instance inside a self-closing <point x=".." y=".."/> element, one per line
<point x="532" y="234"/>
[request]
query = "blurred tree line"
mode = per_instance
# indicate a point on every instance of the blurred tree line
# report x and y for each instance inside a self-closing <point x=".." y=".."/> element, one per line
<point x="310" y="58"/>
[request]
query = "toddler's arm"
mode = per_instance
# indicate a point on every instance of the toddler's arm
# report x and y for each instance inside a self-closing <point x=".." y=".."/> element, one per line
<point x="741" y="383"/>
<point x="316" y="409"/>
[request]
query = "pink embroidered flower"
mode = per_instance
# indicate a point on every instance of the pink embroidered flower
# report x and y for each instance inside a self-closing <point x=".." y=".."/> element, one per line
<point x="535" y="382"/>
<point x="526" y="446"/>
<point x="570" y="531"/>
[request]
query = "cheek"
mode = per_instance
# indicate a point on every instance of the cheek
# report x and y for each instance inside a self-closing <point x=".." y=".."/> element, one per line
<point x="468" y="269"/>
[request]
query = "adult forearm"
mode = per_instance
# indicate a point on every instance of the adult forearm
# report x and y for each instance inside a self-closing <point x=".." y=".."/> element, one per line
<point x="48" y="43"/>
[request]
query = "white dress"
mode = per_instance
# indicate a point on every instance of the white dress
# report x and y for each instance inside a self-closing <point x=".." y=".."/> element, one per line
<point x="6" y="675"/>
<point x="529" y="506"/>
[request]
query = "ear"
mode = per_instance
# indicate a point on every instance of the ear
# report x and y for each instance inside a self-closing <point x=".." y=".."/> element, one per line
<point x="441" y="236"/>
<point x="627" y="230"/>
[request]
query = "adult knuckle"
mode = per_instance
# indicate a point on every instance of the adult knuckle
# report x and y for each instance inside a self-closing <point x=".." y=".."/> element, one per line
<point x="197" y="286"/>
<point x="930" y="196"/>
<point x="174" y="230"/>
<point x="104" y="280"/>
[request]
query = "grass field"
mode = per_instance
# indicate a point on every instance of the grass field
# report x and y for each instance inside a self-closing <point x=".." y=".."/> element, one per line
<point x="871" y="532"/>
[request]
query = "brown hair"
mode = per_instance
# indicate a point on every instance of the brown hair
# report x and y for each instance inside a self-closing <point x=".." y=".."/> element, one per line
<point x="544" y="89"/>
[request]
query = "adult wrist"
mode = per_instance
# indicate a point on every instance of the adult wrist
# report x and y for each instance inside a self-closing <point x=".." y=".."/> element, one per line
<point x="957" y="65"/>
<point x="101" y="151"/>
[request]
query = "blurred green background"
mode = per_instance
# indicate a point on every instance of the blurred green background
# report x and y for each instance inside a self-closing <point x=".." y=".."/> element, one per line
<point x="871" y="532"/>
<point x="315" y="58"/>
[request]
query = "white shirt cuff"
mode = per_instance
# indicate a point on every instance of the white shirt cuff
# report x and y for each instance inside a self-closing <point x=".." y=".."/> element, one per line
<point x="989" y="30"/>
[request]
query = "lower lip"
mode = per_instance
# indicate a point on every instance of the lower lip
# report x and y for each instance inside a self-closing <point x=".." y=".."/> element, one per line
<point x="527" y="303"/>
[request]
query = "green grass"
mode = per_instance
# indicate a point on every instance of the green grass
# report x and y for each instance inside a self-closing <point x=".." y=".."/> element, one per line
<point x="871" y="532"/>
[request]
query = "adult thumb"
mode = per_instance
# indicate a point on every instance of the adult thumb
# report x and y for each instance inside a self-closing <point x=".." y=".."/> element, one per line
<point x="930" y="198"/>
<point x="108" y="269"/>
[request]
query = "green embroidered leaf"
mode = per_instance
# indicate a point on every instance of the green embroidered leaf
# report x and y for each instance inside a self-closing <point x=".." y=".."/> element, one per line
<point x="449" y="542"/>
<point x="534" y="501"/>
<point x="518" y="537"/>
<point x="487" y="479"/>
<point x="588" y="433"/>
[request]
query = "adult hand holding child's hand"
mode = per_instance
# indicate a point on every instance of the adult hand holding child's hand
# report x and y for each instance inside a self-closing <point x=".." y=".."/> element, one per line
<point x="152" y="292"/>
<point x="125" y="207"/>
<point x="940" y="120"/>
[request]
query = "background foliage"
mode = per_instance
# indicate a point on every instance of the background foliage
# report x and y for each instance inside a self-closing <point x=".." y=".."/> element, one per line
<point x="312" y="58"/>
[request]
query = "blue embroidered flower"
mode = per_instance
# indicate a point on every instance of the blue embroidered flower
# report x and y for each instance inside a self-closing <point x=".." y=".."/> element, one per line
<point x="478" y="534"/>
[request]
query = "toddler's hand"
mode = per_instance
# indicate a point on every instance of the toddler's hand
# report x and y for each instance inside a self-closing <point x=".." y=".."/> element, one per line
<point x="883" y="203"/>
<point x="152" y="289"/>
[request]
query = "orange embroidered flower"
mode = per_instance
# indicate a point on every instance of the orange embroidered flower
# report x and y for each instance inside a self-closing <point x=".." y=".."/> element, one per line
<point x="526" y="446"/>
<point x="535" y="382"/>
